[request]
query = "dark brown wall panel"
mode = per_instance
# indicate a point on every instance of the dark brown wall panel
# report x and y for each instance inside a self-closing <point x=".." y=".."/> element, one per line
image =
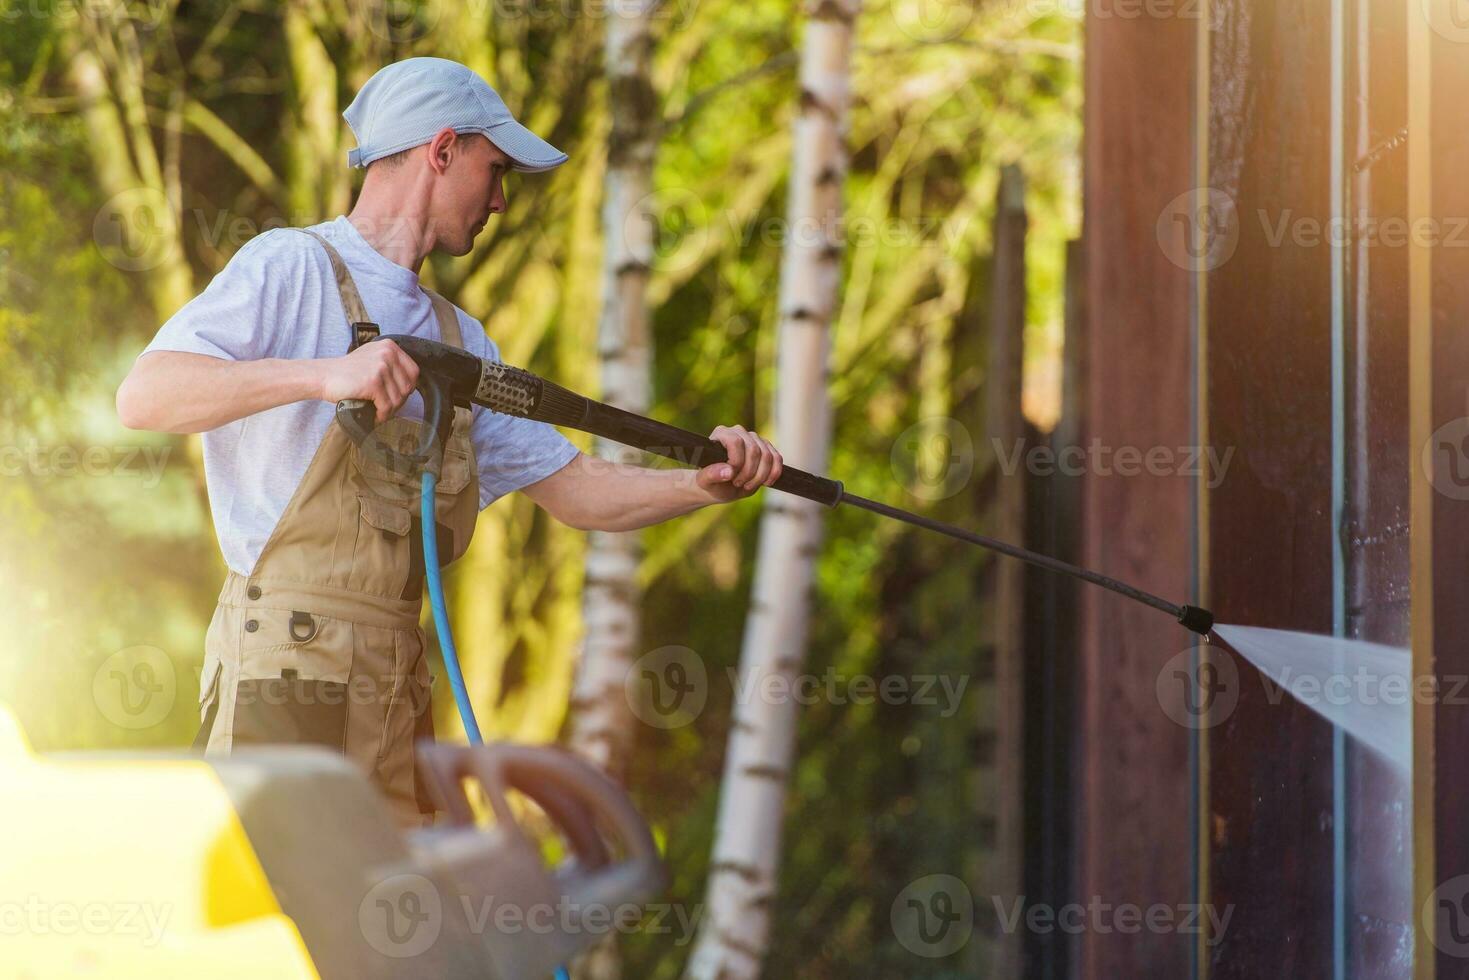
<point x="1135" y="827"/>
<point x="1270" y="531"/>
<point x="1450" y="403"/>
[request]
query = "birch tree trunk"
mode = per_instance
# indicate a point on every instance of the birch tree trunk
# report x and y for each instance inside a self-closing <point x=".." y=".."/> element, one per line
<point x="602" y="727"/>
<point x="744" y="869"/>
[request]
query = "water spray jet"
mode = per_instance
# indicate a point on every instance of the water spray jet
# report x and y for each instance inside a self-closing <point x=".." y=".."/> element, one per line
<point x="1366" y="689"/>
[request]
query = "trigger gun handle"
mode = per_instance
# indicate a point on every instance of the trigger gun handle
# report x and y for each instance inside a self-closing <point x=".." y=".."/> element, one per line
<point x="358" y="418"/>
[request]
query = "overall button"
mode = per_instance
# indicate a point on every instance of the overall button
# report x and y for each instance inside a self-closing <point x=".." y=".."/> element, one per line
<point x="251" y="626"/>
<point x="253" y="592"/>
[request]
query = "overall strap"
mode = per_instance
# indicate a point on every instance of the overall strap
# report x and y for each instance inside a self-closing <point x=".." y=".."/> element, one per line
<point x="363" y="328"/>
<point x="448" y="319"/>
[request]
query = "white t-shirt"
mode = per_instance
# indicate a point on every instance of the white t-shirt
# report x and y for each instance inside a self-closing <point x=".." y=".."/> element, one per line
<point x="278" y="298"/>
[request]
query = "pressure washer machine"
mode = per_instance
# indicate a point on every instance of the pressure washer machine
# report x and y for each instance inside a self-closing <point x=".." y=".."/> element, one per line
<point x="284" y="862"/>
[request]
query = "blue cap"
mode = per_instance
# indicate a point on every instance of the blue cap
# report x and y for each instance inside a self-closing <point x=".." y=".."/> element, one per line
<point x="406" y="103"/>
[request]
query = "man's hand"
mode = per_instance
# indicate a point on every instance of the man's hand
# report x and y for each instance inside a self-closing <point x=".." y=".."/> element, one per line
<point x="378" y="372"/>
<point x="753" y="463"/>
<point x="600" y="495"/>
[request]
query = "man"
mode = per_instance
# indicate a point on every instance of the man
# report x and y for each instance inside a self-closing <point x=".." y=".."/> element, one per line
<point x="316" y="638"/>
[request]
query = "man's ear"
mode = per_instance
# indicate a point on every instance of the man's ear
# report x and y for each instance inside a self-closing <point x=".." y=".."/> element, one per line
<point x="442" y="148"/>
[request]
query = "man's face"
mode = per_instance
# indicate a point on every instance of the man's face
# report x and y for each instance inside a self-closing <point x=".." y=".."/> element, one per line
<point x="470" y="190"/>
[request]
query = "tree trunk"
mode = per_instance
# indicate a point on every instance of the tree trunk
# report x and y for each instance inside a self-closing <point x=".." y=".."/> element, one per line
<point x="1005" y="429"/>
<point x="138" y="226"/>
<point x="317" y="182"/>
<point x="602" y="728"/>
<point x="744" y="869"/>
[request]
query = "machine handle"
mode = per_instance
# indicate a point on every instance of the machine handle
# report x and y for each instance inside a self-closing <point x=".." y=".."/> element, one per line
<point x="574" y="785"/>
<point x="445" y="770"/>
<point x="358" y="417"/>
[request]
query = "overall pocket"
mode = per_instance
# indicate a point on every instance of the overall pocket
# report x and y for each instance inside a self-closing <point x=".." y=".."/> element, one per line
<point x="382" y="557"/>
<point x="408" y="720"/>
<point x="389" y="504"/>
<point x="208" y="700"/>
<point x="214" y="653"/>
<point x="290" y="709"/>
<point x="420" y="691"/>
<point x="292" y="681"/>
<point x="220" y="646"/>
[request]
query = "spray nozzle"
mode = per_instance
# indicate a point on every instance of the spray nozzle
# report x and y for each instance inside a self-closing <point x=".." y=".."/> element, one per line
<point x="1200" y="621"/>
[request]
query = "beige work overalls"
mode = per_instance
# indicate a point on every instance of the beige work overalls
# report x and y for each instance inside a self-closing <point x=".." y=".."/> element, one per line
<point x="321" y="642"/>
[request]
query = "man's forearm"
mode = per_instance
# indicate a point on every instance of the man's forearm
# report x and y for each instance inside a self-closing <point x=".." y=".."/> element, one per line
<point x="599" y="495"/>
<point x="637" y="497"/>
<point x="172" y="391"/>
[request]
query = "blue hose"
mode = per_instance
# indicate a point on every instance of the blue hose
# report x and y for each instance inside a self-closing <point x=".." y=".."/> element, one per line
<point x="441" y="610"/>
<point x="441" y="622"/>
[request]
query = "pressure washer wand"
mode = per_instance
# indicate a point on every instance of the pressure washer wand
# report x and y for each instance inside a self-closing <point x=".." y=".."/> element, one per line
<point x="1201" y="621"/>
<point x="514" y="391"/>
